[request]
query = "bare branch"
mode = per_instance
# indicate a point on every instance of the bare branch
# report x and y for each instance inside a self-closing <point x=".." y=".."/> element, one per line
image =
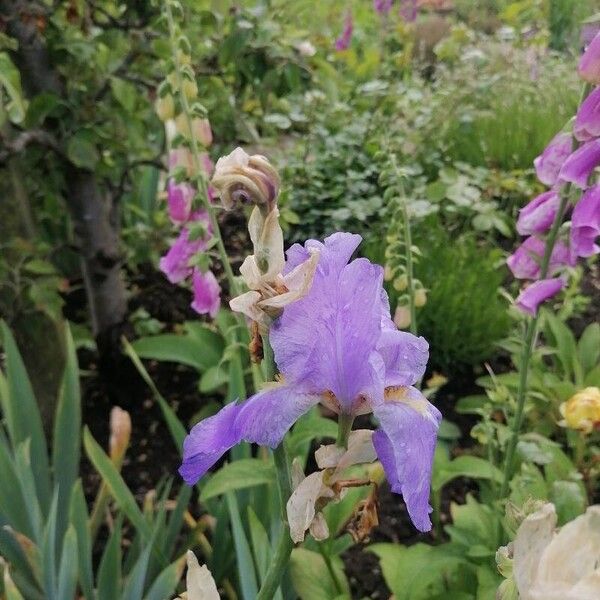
<point x="27" y="138"/>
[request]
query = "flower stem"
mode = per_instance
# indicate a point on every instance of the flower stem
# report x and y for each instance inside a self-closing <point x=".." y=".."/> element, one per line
<point x="284" y="548"/>
<point x="345" y="421"/>
<point x="529" y="341"/>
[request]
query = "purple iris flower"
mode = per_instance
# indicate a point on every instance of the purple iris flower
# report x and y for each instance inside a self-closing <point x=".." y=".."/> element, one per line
<point x="343" y="42"/>
<point x="383" y="7"/>
<point x="587" y="122"/>
<point x="338" y="346"/>
<point x="525" y="261"/>
<point x="579" y="166"/>
<point x="549" y="162"/>
<point x="585" y="224"/>
<point x="589" y="63"/>
<point x="538" y="215"/>
<point x="536" y="293"/>
<point x="207" y="293"/>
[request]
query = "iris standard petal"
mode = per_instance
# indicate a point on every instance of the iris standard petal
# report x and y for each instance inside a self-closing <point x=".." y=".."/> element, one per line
<point x="405" y="445"/>
<point x="208" y="441"/>
<point x="324" y="341"/>
<point x="266" y="417"/>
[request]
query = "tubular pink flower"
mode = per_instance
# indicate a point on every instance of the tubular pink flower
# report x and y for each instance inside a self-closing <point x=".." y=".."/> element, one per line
<point x="179" y="201"/>
<point x="579" y="166"/>
<point x="382" y="7"/>
<point x="538" y="215"/>
<point x="587" y="122"/>
<point x="525" y="261"/>
<point x="549" y="162"/>
<point x="343" y="42"/>
<point x="589" y="63"/>
<point x="207" y="293"/>
<point x="536" y="293"/>
<point x="585" y="224"/>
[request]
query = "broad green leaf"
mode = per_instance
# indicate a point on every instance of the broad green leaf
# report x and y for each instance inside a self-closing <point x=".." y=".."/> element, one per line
<point x="569" y="498"/>
<point x="588" y="348"/>
<point x="117" y="487"/>
<point x="67" y="573"/>
<point x="566" y="347"/>
<point x="474" y="528"/>
<point x="78" y="516"/>
<point x="25" y="475"/>
<point x="308" y="428"/>
<point x="82" y="151"/>
<point x="23" y="418"/>
<point x="165" y="584"/>
<point x="312" y="578"/>
<point x="67" y="434"/>
<point x="465" y="466"/>
<point x="246" y="573"/>
<point x="214" y="378"/>
<point x="188" y="350"/>
<point x="243" y="473"/>
<point x="10" y="81"/>
<point x="124" y="92"/>
<point x="418" y="572"/>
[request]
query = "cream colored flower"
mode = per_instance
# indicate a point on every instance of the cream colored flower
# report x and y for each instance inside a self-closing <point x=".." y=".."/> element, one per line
<point x="555" y="565"/>
<point x="582" y="411"/>
<point x="199" y="581"/>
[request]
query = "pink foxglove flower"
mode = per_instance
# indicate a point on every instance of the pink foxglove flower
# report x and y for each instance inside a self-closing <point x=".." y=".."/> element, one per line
<point x="537" y="293"/>
<point x="343" y="42"/>
<point x="525" y="261"/>
<point x="538" y="215"/>
<point x="207" y="293"/>
<point x="338" y="346"/>
<point x="179" y="201"/>
<point x="589" y="63"/>
<point x="579" y="166"/>
<point x="549" y="162"/>
<point x="409" y="10"/>
<point x="382" y="7"/>
<point x="585" y="224"/>
<point x="587" y="122"/>
<point x="175" y="263"/>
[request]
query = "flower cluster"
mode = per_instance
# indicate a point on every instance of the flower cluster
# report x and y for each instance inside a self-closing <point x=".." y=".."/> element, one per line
<point x="339" y="347"/>
<point x="567" y="163"/>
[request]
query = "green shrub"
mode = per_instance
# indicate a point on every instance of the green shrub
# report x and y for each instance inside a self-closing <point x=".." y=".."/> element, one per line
<point x="464" y="315"/>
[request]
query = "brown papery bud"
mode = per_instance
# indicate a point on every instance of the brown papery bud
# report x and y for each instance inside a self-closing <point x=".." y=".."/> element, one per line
<point x="120" y="433"/>
<point x="249" y="179"/>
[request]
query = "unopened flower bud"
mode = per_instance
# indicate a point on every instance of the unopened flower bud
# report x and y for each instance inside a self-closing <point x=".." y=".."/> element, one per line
<point x="120" y="433"/>
<point x="582" y="411"/>
<point x="240" y="177"/>
<point x="189" y="88"/>
<point x="388" y="273"/>
<point x="202" y="131"/>
<point x="402" y="317"/>
<point x="165" y="107"/>
<point x="420" y="297"/>
<point x="401" y="283"/>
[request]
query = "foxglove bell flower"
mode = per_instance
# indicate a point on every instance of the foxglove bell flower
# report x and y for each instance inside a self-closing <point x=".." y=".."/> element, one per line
<point x="207" y="293"/>
<point x="337" y="346"/>
<point x="179" y="201"/>
<point x="589" y="63"/>
<point x="382" y="7"/>
<point x="239" y="177"/>
<point x="525" y="261"/>
<point x="585" y="224"/>
<point x="587" y="121"/>
<point x="343" y="42"/>
<point x="538" y="292"/>
<point x="175" y="263"/>
<point x="538" y="215"/>
<point x="579" y="166"/>
<point x="549" y="162"/>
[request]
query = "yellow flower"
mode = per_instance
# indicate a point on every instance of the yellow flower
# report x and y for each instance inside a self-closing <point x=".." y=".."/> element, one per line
<point x="582" y="411"/>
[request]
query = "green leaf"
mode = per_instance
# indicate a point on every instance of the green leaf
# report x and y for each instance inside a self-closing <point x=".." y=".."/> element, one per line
<point x="465" y="466"/>
<point x="247" y="575"/>
<point x="40" y="107"/>
<point x="49" y="552"/>
<point x="197" y="351"/>
<point x="165" y="584"/>
<point x="308" y="428"/>
<point x="109" y="571"/>
<point x="82" y="151"/>
<point x="312" y="579"/>
<point x="67" y="573"/>
<point x="240" y="474"/>
<point x="214" y="378"/>
<point x="10" y="81"/>
<point x="67" y="434"/>
<point x="79" y="516"/>
<point x="588" y="348"/>
<point x="10" y="589"/>
<point x="134" y="586"/>
<point x="569" y="498"/>
<point x="260" y="543"/>
<point x="566" y="349"/>
<point x="23" y="417"/>
<point x="117" y="487"/>
<point x="419" y="572"/>
<point x="124" y="92"/>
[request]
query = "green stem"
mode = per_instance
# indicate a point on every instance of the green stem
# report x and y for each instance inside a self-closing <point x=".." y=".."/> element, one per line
<point x="284" y="548"/>
<point x="345" y="421"/>
<point x="529" y="341"/>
